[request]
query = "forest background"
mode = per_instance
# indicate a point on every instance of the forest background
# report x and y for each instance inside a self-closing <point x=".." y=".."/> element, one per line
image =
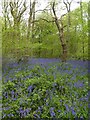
<point x="58" y="31"/>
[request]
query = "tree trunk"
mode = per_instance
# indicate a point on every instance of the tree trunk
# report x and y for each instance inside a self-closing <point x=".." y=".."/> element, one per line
<point x="5" y="6"/>
<point x="61" y="35"/>
<point x="89" y="32"/>
<point x="17" y="14"/>
<point x="68" y="7"/>
<point x="83" y="51"/>
<point x="63" y="44"/>
<point x="31" y="18"/>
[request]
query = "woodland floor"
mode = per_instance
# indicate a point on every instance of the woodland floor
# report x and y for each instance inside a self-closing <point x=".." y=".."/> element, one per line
<point x="45" y="88"/>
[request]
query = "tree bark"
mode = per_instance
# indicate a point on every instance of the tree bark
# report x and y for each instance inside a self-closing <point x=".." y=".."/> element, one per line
<point x="17" y="9"/>
<point x="33" y="24"/>
<point x="68" y="7"/>
<point x="89" y="32"/>
<point x="5" y="6"/>
<point x="31" y="18"/>
<point x="83" y="51"/>
<point x="60" y="28"/>
<point x="16" y="13"/>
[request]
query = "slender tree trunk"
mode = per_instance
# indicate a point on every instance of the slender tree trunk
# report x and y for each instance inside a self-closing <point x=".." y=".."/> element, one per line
<point x="5" y="14"/>
<point x="31" y="18"/>
<point x="29" y="21"/>
<point x="76" y="42"/>
<point x="68" y="7"/>
<point x="89" y="59"/>
<point x="82" y="29"/>
<point x="63" y="44"/>
<point x="89" y="31"/>
<point x="61" y="35"/>
<point x="17" y="14"/>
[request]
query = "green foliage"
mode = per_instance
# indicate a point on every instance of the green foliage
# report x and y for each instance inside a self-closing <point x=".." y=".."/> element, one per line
<point x="45" y="40"/>
<point x="45" y="92"/>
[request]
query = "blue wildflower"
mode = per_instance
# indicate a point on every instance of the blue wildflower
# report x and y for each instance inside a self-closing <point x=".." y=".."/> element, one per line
<point x="6" y="95"/>
<point x="73" y="112"/>
<point x="52" y="113"/>
<point x="12" y="93"/>
<point x="59" y="111"/>
<point x="78" y="84"/>
<point x="30" y="88"/>
<point x="36" y="116"/>
<point x="89" y="105"/>
<point x="47" y="103"/>
<point x="67" y="108"/>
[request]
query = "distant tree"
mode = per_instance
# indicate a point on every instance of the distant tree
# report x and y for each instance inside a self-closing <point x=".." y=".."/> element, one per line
<point x="17" y="9"/>
<point x="89" y="31"/>
<point x="68" y="8"/>
<point x="82" y="24"/>
<point x="31" y="19"/>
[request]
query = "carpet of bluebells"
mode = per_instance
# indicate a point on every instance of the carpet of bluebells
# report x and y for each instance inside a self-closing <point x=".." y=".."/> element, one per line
<point x="45" y="88"/>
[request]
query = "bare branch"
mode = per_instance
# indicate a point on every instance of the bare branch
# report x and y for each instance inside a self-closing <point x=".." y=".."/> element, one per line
<point x="24" y="9"/>
<point x="42" y="10"/>
<point x="43" y="20"/>
<point x="63" y="15"/>
<point x="67" y="4"/>
<point x="11" y="7"/>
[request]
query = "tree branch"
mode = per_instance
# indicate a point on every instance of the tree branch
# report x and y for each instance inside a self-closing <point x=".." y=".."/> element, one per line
<point x="43" y="20"/>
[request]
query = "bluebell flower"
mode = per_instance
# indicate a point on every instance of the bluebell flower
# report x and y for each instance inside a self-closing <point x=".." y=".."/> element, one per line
<point x="81" y="117"/>
<point x="52" y="113"/>
<point x="84" y="99"/>
<point x="14" y="99"/>
<point x="24" y="113"/>
<point x="1" y="109"/>
<point x="44" y="99"/>
<point x="67" y="108"/>
<point x="59" y="111"/>
<point x="54" y="84"/>
<point x="10" y="115"/>
<point x="0" y="97"/>
<point x="89" y="92"/>
<point x="73" y="112"/>
<point x="7" y="108"/>
<point x="36" y="116"/>
<point x="40" y="108"/>
<point x="89" y="105"/>
<point x="52" y="108"/>
<point x="5" y="95"/>
<point x="21" y="113"/>
<point x="47" y="103"/>
<point x="12" y="93"/>
<point x="20" y="108"/>
<point x="30" y="88"/>
<point x="78" y="84"/>
<point x="61" y="101"/>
